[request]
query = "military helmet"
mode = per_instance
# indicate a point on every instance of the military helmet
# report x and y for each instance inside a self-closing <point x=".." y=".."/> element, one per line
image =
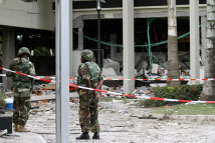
<point x="88" y="55"/>
<point x="23" y="50"/>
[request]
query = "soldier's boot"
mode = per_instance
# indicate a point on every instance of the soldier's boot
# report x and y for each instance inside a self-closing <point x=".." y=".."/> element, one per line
<point x="16" y="127"/>
<point x="96" y="136"/>
<point x="83" y="136"/>
<point x="23" y="129"/>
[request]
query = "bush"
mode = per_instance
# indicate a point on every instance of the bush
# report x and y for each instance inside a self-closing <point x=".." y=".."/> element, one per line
<point x="2" y="99"/>
<point x="183" y="92"/>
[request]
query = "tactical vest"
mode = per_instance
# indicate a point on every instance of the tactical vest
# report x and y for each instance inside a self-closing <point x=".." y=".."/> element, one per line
<point x="94" y="72"/>
<point x="21" y="65"/>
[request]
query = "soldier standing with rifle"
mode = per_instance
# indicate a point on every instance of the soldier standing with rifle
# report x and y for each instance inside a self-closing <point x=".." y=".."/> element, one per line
<point x="22" y="87"/>
<point x="90" y="75"/>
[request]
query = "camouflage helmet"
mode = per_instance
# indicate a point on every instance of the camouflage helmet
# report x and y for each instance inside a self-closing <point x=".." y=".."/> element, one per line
<point x="23" y="50"/>
<point x="88" y="55"/>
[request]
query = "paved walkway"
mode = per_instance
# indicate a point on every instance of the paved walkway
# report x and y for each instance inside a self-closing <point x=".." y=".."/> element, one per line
<point x="120" y="123"/>
<point x="22" y="138"/>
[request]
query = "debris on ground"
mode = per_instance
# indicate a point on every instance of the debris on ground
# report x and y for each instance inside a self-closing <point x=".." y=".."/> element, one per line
<point x="3" y="132"/>
<point x="110" y="65"/>
<point x="142" y="90"/>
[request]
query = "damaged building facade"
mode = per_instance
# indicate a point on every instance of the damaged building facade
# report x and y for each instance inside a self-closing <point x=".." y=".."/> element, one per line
<point x="32" y="23"/>
<point x="25" y="23"/>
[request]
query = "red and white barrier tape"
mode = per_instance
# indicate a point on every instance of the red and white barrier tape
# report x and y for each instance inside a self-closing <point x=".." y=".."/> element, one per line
<point x="34" y="77"/>
<point x="142" y="96"/>
<point x="52" y="77"/>
<point x="140" y="79"/>
<point x="114" y="93"/>
<point x="156" y="79"/>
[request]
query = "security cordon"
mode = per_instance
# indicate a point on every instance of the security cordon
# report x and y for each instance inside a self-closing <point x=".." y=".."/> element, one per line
<point x="110" y="92"/>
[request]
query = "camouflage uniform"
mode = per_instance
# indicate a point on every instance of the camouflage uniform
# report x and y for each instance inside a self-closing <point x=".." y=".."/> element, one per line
<point x="88" y="108"/>
<point x="22" y="86"/>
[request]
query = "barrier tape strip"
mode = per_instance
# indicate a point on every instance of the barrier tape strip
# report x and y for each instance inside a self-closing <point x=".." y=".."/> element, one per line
<point x="114" y="93"/>
<point x="142" y="79"/>
<point x="142" y="96"/>
<point x="34" y="77"/>
<point x="157" y="79"/>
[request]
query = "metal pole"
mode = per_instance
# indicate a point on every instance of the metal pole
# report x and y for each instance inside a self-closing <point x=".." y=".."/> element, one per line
<point x="99" y="34"/>
<point x="128" y="45"/>
<point x="57" y="41"/>
<point x="62" y="68"/>
<point x="194" y="40"/>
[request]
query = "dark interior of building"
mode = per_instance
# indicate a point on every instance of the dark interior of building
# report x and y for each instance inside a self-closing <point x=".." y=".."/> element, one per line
<point x="41" y="41"/>
<point x="158" y="33"/>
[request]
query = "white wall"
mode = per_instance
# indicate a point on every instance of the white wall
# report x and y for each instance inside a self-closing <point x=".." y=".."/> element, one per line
<point x="36" y="15"/>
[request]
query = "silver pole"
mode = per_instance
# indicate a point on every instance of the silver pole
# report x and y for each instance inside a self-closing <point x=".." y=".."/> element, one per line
<point x="128" y="45"/>
<point x="194" y="40"/>
<point x="57" y="33"/>
<point x="62" y="70"/>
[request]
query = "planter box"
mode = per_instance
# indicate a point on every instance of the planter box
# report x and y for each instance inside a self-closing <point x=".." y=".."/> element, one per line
<point x="6" y="123"/>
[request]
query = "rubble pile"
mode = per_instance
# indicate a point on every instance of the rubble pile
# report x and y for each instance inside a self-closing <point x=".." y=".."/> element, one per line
<point x="142" y="91"/>
<point x="111" y="67"/>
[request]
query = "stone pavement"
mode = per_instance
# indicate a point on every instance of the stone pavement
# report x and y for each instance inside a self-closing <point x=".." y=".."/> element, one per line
<point x="122" y="123"/>
<point x="22" y="138"/>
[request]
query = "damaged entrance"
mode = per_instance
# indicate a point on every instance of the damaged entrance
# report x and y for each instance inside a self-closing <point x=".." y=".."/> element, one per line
<point x="149" y="32"/>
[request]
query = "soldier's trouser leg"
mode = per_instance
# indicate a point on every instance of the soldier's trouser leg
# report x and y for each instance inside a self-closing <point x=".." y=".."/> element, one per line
<point x="16" y="104"/>
<point x="21" y="112"/>
<point x="94" y="124"/>
<point x="84" y="112"/>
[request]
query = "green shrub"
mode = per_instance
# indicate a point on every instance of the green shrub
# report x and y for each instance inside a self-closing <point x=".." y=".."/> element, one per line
<point x="2" y="99"/>
<point x="183" y="92"/>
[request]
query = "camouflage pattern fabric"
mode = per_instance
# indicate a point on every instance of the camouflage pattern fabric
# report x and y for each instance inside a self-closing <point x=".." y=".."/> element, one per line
<point x="24" y="66"/>
<point x="88" y="107"/>
<point x="22" y="87"/>
<point x="23" y="50"/>
<point x="21" y="110"/>
<point x="88" y="55"/>
<point x="89" y="71"/>
<point x="88" y="111"/>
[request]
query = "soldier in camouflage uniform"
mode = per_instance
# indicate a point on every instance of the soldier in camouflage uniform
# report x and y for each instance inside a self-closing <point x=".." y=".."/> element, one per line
<point x="89" y="76"/>
<point x="22" y="87"/>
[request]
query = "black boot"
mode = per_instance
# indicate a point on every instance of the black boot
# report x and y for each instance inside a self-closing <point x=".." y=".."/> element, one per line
<point x="96" y="136"/>
<point x="83" y="136"/>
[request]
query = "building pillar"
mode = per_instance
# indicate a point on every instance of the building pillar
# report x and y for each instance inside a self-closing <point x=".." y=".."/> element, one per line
<point x="8" y="53"/>
<point x="203" y="38"/>
<point x="113" y="40"/>
<point x="194" y="41"/>
<point x="128" y="45"/>
<point x="80" y="38"/>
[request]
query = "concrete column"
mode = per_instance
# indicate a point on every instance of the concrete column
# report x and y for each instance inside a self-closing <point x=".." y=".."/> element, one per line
<point x="113" y="40"/>
<point x="128" y="45"/>
<point x="80" y="39"/>
<point x="203" y="38"/>
<point x="194" y="40"/>
<point x="8" y="53"/>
